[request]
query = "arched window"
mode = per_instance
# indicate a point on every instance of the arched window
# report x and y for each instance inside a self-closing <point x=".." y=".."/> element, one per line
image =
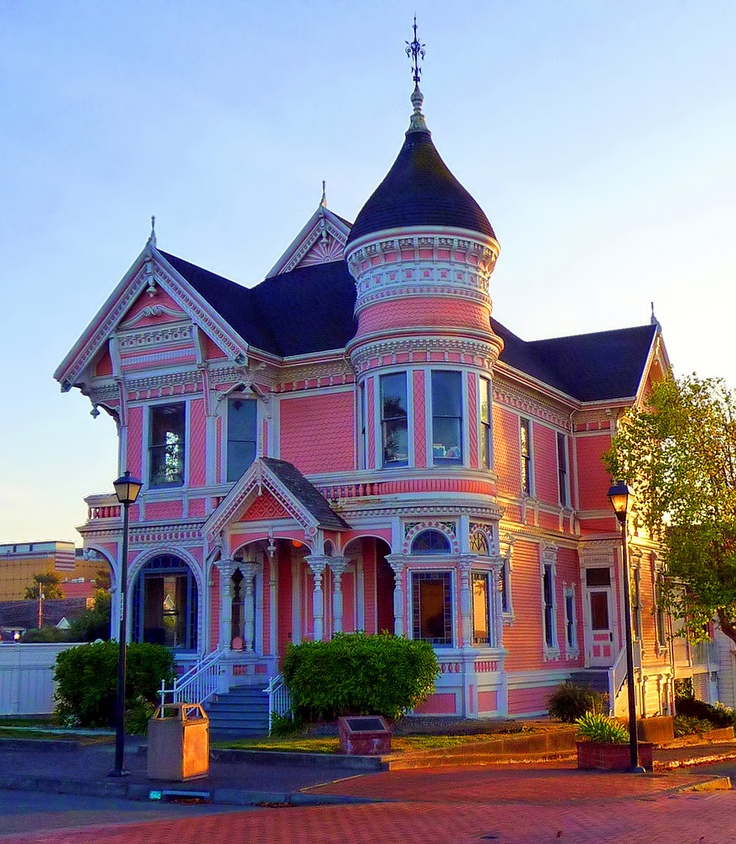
<point x="479" y="543"/>
<point x="165" y="604"/>
<point x="431" y="542"/>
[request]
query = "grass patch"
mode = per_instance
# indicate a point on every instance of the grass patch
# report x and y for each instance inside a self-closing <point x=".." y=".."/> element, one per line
<point x="331" y="744"/>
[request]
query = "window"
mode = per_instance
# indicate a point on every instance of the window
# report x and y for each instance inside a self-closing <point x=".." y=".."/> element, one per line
<point x="430" y="542"/>
<point x="571" y="635"/>
<point x="481" y="608"/>
<point x="394" y="420"/>
<point x="525" y="439"/>
<point x="479" y="543"/>
<point x="166" y="445"/>
<point x="165" y="604"/>
<point x="562" y="468"/>
<point x="659" y="612"/>
<point x="447" y="417"/>
<point x="548" y="597"/>
<point x="504" y="585"/>
<point x="241" y="436"/>
<point x="363" y="427"/>
<point x="432" y="607"/>
<point x="486" y="446"/>
<point x="635" y="585"/>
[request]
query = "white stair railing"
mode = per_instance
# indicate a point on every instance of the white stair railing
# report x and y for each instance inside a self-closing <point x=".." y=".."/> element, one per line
<point x="279" y="699"/>
<point x="199" y="684"/>
<point x="616" y="679"/>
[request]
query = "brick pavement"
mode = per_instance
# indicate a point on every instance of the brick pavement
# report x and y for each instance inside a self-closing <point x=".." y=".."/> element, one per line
<point x="530" y="805"/>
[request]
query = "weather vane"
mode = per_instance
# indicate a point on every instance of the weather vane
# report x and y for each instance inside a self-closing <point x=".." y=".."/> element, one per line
<point x="414" y="50"/>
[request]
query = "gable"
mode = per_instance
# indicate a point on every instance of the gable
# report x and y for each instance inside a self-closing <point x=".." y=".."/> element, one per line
<point x="321" y="240"/>
<point x="264" y="507"/>
<point x="153" y="306"/>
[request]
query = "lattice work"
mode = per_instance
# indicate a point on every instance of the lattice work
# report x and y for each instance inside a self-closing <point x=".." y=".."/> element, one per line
<point x="420" y="421"/>
<point x="264" y="507"/>
<point x="473" y="419"/>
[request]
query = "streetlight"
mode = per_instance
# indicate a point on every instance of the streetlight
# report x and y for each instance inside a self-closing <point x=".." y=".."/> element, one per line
<point x="619" y="497"/>
<point x="126" y="490"/>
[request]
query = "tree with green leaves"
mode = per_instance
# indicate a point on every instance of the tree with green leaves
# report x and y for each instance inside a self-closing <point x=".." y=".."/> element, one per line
<point x="94" y="622"/>
<point x="47" y="584"/>
<point x="677" y="451"/>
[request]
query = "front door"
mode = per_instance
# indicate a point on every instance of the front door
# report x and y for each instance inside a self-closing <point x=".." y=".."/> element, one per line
<point x="599" y="632"/>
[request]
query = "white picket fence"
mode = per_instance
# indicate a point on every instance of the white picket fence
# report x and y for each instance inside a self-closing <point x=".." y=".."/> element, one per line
<point x="27" y="677"/>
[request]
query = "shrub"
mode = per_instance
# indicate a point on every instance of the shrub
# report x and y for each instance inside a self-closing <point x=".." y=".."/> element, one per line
<point x="601" y="729"/>
<point x="569" y="702"/>
<point x="45" y="634"/>
<point x="686" y="726"/>
<point x="719" y="715"/>
<point x="358" y="674"/>
<point x="86" y="679"/>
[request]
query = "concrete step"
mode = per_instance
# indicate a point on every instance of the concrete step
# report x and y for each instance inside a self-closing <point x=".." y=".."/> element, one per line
<point x="241" y="712"/>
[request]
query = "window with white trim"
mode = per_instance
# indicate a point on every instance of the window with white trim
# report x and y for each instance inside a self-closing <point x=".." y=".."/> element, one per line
<point x="394" y="419"/>
<point x="486" y="444"/>
<point x="635" y="589"/>
<point x="525" y="453"/>
<point x="166" y="444"/>
<point x="447" y="417"/>
<point x="660" y="616"/>
<point x="562" y="472"/>
<point x="571" y="623"/>
<point x="482" y="628"/>
<point x="548" y="594"/>
<point x="242" y="435"/>
<point x="432" y="607"/>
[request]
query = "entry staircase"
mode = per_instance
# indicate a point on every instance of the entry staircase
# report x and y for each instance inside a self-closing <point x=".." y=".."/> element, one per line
<point x="238" y="713"/>
<point x="234" y="711"/>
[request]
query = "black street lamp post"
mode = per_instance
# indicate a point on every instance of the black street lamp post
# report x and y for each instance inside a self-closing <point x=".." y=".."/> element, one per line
<point x="126" y="489"/>
<point x="619" y="497"/>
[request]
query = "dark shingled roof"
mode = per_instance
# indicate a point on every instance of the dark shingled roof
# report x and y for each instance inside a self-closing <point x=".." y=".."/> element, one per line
<point x="307" y="310"/>
<point x="419" y="190"/>
<point x="306" y="493"/>
<point x="589" y="367"/>
<point x="311" y="310"/>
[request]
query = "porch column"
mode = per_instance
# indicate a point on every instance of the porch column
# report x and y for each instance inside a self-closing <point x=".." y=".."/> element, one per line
<point x="226" y="569"/>
<point x="337" y="566"/>
<point x="397" y="563"/>
<point x="273" y="608"/>
<point x="249" y="574"/>
<point x="317" y="565"/>
<point x="466" y="607"/>
<point x="497" y="605"/>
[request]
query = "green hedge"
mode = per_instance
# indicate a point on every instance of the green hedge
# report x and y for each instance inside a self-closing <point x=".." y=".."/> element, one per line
<point x="358" y="674"/>
<point x="86" y="679"/>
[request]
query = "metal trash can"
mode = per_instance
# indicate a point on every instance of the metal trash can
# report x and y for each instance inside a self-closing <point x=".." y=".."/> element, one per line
<point x="178" y="742"/>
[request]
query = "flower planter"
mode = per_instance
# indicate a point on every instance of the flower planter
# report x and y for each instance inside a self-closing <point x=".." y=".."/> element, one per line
<point x="611" y="757"/>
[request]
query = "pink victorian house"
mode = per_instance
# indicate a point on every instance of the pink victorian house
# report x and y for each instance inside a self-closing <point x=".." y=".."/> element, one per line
<point x="356" y="444"/>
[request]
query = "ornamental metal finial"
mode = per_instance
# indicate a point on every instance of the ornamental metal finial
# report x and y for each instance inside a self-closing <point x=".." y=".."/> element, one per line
<point x="152" y="236"/>
<point x="414" y="50"/>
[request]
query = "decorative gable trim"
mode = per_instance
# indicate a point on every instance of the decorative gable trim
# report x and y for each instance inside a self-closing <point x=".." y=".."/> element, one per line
<point x="321" y="241"/>
<point x="237" y="502"/>
<point x="148" y="270"/>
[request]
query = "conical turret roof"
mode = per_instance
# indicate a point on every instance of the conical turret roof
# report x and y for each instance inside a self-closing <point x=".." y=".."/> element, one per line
<point x="419" y="190"/>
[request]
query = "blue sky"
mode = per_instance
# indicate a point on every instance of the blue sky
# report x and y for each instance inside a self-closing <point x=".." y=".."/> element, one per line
<point x="598" y="136"/>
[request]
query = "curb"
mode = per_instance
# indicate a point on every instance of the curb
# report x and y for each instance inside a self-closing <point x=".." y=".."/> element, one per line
<point x="142" y="792"/>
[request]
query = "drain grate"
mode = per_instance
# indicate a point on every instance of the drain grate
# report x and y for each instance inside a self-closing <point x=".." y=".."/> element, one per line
<point x="183" y="797"/>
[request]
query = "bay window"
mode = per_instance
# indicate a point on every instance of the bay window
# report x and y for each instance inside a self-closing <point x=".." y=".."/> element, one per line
<point x="447" y="417"/>
<point x="394" y="420"/>
<point x="432" y="607"/>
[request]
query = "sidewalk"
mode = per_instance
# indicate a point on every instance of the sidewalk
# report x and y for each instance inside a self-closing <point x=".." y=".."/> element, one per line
<point x="242" y="778"/>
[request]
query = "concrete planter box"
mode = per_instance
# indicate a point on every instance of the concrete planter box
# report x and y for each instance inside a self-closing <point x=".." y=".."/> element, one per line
<point x="611" y="757"/>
